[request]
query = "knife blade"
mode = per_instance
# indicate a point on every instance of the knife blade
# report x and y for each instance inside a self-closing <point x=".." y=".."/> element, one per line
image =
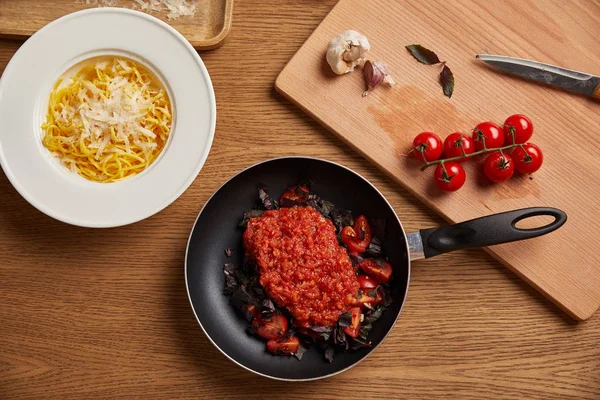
<point x="563" y="78"/>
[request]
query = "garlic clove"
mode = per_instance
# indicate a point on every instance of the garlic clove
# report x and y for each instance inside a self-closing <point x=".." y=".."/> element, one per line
<point x="375" y="73"/>
<point x="348" y="48"/>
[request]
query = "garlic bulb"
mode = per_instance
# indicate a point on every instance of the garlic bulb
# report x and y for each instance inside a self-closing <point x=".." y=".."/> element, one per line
<point x="346" y="50"/>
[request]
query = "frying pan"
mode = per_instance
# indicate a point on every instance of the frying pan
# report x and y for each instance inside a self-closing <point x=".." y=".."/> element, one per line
<point x="216" y="229"/>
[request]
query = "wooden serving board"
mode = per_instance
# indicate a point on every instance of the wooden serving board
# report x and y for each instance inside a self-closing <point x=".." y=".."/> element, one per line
<point x="564" y="265"/>
<point x="205" y="30"/>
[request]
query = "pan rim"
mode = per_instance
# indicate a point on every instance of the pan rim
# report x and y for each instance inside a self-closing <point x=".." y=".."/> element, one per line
<point x="187" y="287"/>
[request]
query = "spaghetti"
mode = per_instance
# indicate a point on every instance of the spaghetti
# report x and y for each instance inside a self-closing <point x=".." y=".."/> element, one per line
<point x="109" y="122"/>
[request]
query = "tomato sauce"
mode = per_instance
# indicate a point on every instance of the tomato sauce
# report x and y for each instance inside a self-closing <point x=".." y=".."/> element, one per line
<point x="302" y="267"/>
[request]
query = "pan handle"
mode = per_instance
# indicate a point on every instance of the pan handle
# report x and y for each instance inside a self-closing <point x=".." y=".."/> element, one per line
<point x="484" y="231"/>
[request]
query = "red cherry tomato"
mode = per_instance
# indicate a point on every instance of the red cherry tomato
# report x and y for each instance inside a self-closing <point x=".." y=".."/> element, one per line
<point x="430" y="143"/>
<point x="489" y="132"/>
<point x="354" y="328"/>
<point x="366" y="283"/>
<point x="285" y="347"/>
<point x="450" y="177"/>
<point x="528" y="161"/>
<point x="520" y="127"/>
<point x="272" y="328"/>
<point x="456" y="143"/>
<point x="294" y="195"/>
<point x="498" y="167"/>
<point x="357" y="237"/>
<point x="379" y="270"/>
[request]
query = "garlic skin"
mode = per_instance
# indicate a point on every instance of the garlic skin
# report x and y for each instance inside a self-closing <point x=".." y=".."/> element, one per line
<point x="374" y="73"/>
<point x="346" y="51"/>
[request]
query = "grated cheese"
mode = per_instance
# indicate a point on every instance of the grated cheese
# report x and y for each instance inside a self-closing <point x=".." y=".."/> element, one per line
<point x="109" y="122"/>
<point x="175" y="8"/>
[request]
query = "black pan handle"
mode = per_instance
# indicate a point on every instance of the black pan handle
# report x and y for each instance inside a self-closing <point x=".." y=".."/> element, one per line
<point x="487" y="231"/>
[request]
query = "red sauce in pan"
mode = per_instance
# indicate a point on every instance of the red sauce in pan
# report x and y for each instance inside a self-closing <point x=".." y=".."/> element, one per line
<point x="302" y="267"/>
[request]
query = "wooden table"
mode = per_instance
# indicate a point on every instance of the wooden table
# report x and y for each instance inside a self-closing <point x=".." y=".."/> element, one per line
<point x="104" y="313"/>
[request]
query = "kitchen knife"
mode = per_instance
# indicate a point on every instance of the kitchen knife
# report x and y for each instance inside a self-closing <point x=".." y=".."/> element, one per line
<point x="556" y="76"/>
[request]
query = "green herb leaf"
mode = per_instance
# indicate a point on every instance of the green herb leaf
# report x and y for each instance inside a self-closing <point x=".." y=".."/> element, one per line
<point x="422" y="54"/>
<point x="447" y="81"/>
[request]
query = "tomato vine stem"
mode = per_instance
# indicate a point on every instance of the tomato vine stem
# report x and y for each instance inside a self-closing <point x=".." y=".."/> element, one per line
<point x="482" y="151"/>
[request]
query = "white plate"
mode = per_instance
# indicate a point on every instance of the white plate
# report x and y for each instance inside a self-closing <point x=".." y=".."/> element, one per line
<point x="26" y="85"/>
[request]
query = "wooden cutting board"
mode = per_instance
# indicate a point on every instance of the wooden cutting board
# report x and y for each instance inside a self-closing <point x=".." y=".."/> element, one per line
<point x="205" y="30"/>
<point x="564" y="265"/>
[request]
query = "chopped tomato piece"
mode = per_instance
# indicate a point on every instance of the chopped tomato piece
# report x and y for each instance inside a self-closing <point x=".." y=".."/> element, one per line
<point x="364" y="300"/>
<point x="380" y="270"/>
<point x="366" y="282"/>
<point x="354" y="329"/>
<point x="357" y="237"/>
<point x="285" y="347"/>
<point x="272" y="328"/>
<point x="253" y="310"/>
<point x="294" y="195"/>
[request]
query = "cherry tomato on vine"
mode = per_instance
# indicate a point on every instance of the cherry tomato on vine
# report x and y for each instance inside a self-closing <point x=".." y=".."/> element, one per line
<point x="489" y="132"/>
<point x="498" y="167"/>
<point x="529" y="160"/>
<point x="450" y="177"/>
<point x="454" y="145"/>
<point x="430" y="143"/>
<point x="520" y="126"/>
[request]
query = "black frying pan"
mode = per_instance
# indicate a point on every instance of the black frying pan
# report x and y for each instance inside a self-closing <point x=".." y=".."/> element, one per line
<point x="216" y="229"/>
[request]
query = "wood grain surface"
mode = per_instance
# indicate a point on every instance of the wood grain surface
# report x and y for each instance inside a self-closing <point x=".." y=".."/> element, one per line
<point x="104" y="314"/>
<point x="207" y="29"/>
<point x="383" y="125"/>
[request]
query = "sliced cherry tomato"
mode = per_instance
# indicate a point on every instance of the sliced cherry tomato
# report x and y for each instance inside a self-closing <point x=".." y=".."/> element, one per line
<point x="284" y="347"/>
<point x="357" y="237"/>
<point x="498" y="167"/>
<point x="272" y="328"/>
<point x="366" y="283"/>
<point x="295" y="195"/>
<point x="363" y="300"/>
<point x="490" y="133"/>
<point x="379" y="270"/>
<point x="354" y="329"/>
<point x="527" y="159"/>
<point x="430" y="144"/>
<point x="450" y="177"/>
<point x="458" y="145"/>
<point x="517" y="129"/>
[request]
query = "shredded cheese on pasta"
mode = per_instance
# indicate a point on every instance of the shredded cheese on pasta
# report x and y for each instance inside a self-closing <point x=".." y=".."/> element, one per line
<point x="110" y="122"/>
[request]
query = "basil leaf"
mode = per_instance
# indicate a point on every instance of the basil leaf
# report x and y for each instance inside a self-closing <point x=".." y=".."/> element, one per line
<point x="422" y="54"/>
<point x="447" y="81"/>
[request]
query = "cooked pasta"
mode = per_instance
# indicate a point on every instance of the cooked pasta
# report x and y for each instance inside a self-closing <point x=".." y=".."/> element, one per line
<point x="109" y="122"/>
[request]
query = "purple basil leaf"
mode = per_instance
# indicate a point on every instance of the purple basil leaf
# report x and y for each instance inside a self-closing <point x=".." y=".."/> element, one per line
<point x="345" y="319"/>
<point x="358" y="343"/>
<point x="301" y="350"/>
<point x="447" y="81"/>
<point x="329" y="352"/>
<point x="342" y="218"/>
<point x="422" y="54"/>
<point x="266" y="200"/>
<point x="248" y="216"/>
<point x="375" y="248"/>
<point x="356" y="259"/>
